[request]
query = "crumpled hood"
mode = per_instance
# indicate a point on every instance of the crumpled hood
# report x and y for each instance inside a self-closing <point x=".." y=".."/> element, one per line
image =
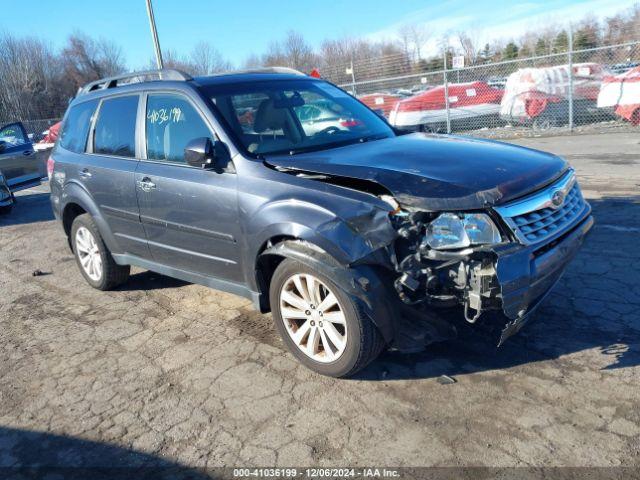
<point x="436" y="172"/>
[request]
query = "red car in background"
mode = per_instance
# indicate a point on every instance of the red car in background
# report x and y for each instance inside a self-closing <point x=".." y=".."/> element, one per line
<point x="540" y="96"/>
<point x="621" y="94"/>
<point x="472" y="104"/>
<point x="382" y="102"/>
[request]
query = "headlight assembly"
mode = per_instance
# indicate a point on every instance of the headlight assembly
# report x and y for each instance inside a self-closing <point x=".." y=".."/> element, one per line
<point x="450" y="231"/>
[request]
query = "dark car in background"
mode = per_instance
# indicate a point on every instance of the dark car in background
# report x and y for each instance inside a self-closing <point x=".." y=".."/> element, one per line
<point x="19" y="165"/>
<point x="356" y="237"/>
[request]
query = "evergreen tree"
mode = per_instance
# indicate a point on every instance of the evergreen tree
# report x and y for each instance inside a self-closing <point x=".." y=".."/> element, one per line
<point x="510" y="51"/>
<point x="561" y="43"/>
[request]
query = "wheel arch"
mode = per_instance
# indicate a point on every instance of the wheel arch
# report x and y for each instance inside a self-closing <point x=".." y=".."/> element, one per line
<point x="363" y="282"/>
<point x="77" y="201"/>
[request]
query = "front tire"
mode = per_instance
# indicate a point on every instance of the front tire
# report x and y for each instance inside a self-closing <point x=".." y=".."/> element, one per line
<point x="321" y="324"/>
<point x="93" y="257"/>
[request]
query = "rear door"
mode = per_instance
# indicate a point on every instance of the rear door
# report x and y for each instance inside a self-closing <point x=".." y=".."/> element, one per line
<point x="190" y="215"/>
<point x="108" y="170"/>
<point x="18" y="161"/>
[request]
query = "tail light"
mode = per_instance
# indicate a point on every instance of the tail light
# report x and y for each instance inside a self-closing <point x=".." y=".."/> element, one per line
<point x="50" y="164"/>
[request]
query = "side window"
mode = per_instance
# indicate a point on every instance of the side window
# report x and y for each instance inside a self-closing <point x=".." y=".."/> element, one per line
<point x="76" y="126"/>
<point x="13" y="135"/>
<point x="115" y="132"/>
<point x="171" y="123"/>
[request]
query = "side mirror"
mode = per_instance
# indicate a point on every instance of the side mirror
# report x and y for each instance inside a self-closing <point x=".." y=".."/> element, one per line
<point x="203" y="153"/>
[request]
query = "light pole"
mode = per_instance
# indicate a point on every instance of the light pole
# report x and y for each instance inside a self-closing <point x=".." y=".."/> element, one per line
<point x="154" y="35"/>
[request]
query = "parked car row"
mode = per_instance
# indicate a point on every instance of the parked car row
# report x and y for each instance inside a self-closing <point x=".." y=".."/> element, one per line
<point x="538" y="97"/>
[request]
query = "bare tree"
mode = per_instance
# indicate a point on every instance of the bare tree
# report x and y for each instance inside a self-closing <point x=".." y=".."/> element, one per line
<point x="253" y="61"/>
<point x="206" y="59"/>
<point x="172" y="59"/>
<point x="412" y="38"/>
<point x="85" y="59"/>
<point x="274" y="56"/>
<point x="27" y="75"/>
<point x="469" y="46"/>
<point x="419" y="36"/>
<point x="404" y="35"/>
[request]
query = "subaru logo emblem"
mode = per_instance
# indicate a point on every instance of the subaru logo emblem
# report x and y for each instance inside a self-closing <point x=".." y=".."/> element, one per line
<point x="557" y="199"/>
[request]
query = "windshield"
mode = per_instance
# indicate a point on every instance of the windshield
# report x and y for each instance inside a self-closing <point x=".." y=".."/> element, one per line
<point x="295" y="116"/>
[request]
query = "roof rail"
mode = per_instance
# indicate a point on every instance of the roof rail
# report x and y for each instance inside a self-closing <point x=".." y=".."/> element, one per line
<point x="134" y="77"/>
<point x="263" y="70"/>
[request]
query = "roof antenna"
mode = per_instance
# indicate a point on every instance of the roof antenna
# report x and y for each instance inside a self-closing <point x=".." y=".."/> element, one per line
<point x="154" y="35"/>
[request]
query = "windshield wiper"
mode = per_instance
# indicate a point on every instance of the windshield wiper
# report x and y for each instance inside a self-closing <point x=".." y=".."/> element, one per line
<point x="370" y="138"/>
<point x="343" y="143"/>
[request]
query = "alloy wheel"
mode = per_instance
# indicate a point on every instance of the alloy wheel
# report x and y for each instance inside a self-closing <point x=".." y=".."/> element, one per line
<point x="89" y="254"/>
<point x="313" y="318"/>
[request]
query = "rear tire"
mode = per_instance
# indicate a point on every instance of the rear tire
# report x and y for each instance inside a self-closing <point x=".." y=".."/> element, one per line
<point x="358" y="341"/>
<point x="93" y="257"/>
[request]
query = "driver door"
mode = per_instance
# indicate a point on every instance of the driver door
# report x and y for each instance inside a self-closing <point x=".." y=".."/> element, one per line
<point x="18" y="161"/>
<point x="190" y="215"/>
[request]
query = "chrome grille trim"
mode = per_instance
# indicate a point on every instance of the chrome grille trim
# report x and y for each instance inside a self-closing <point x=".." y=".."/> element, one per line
<point x="536" y="217"/>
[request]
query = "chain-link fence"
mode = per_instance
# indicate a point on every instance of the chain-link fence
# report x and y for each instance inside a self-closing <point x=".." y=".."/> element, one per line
<point x="583" y="83"/>
<point x="555" y="92"/>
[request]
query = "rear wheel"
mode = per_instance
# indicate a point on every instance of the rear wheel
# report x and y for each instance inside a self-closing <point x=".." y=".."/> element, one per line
<point x="320" y="323"/>
<point x="93" y="257"/>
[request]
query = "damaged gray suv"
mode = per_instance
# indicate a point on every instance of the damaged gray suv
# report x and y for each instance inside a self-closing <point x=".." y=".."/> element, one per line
<point x="355" y="236"/>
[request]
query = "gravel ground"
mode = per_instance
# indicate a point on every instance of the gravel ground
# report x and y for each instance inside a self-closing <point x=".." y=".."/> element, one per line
<point x="164" y="371"/>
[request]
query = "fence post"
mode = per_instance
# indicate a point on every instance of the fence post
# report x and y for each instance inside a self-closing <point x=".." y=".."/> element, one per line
<point x="570" y="95"/>
<point x="446" y="93"/>
<point x="353" y="79"/>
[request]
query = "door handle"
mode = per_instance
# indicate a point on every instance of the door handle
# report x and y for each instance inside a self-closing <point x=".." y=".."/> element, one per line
<point x="26" y="153"/>
<point x="146" y="184"/>
<point x="85" y="173"/>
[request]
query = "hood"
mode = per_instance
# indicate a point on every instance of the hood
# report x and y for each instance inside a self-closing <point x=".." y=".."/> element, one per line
<point x="436" y="172"/>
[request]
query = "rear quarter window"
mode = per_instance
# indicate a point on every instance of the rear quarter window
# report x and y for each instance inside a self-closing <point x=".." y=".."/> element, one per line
<point x="75" y="129"/>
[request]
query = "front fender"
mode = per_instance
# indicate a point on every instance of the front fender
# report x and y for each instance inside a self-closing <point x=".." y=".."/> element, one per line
<point x="346" y="238"/>
<point x="75" y="193"/>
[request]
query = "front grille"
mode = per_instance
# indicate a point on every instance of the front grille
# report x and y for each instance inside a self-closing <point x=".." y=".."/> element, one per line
<point x="536" y="218"/>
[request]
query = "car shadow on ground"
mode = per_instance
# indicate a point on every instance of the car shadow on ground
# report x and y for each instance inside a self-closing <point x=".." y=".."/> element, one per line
<point x="148" y="280"/>
<point x="29" y="208"/>
<point x="28" y="454"/>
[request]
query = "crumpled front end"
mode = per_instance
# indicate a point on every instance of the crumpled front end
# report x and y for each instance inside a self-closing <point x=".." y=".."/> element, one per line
<point x="539" y="235"/>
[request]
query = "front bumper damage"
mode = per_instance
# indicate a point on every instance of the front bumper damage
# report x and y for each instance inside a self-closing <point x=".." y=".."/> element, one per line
<point x="527" y="275"/>
<point x="511" y="279"/>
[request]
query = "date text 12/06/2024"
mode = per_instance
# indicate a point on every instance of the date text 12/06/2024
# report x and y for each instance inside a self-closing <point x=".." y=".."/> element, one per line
<point x="315" y="473"/>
